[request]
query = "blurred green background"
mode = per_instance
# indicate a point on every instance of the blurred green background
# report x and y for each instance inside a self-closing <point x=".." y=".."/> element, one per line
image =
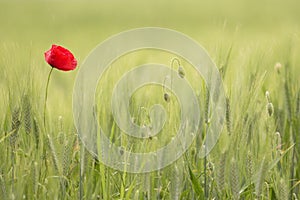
<point x="28" y="28"/>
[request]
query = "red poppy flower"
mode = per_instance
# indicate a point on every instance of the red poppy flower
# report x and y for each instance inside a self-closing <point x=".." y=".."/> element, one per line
<point x="60" y="58"/>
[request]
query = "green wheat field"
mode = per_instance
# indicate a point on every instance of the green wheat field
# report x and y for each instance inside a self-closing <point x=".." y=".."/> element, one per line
<point x="255" y="45"/>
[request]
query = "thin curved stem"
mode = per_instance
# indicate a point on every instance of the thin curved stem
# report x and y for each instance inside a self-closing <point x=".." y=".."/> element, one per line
<point x="46" y="95"/>
<point x="164" y="85"/>
<point x="172" y="63"/>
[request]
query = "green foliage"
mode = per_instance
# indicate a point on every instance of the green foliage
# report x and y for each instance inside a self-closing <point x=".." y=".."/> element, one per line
<point x="257" y="155"/>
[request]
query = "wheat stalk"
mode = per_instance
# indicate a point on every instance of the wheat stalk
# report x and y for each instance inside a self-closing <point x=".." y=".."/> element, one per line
<point x="15" y="125"/>
<point x="65" y="166"/>
<point x="288" y="99"/>
<point x="220" y="177"/>
<point x="66" y="158"/>
<point x="36" y="132"/>
<point x="260" y="178"/>
<point x="228" y="116"/>
<point x="176" y="181"/>
<point x="298" y="104"/>
<point x="283" y="191"/>
<point x="206" y="108"/>
<point x="3" y="187"/>
<point x="53" y="153"/>
<point x="249" y="166"/>
<point x="35" y="179"/>
<point x="27" y="117"/>
<point x="234" y="179"/>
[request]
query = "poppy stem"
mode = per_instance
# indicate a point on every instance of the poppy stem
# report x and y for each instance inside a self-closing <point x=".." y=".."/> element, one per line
<point x="46" y="95"/>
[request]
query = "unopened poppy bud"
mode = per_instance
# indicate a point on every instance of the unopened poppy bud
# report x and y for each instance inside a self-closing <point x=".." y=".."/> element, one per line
<point x="181" y="72"/>
<point x="121" y="151"/>
<point x="270" y="109"/>
<point x="278" y="138"/>
<point x="277" y="67"/>
<point x="167" y="97"/>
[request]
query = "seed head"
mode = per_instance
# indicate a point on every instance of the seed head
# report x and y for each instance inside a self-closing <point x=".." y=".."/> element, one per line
<point x="181" y="72"/>
<point x="270" y="109"/>
<point x="278" y="141"/>
<point x="167" y="97"/>
<point x="278" y="67"/>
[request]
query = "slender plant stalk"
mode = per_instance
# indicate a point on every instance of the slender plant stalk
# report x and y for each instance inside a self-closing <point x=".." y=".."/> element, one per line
<point x="46" y="95"/>
<point x="15" y="128"/>
<point x="81" y="171"/>
<point x="206" y="127"/>
<point x="172" y="64"/>
<point x="3" y="186"/>
<point x="205" y="174"/>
